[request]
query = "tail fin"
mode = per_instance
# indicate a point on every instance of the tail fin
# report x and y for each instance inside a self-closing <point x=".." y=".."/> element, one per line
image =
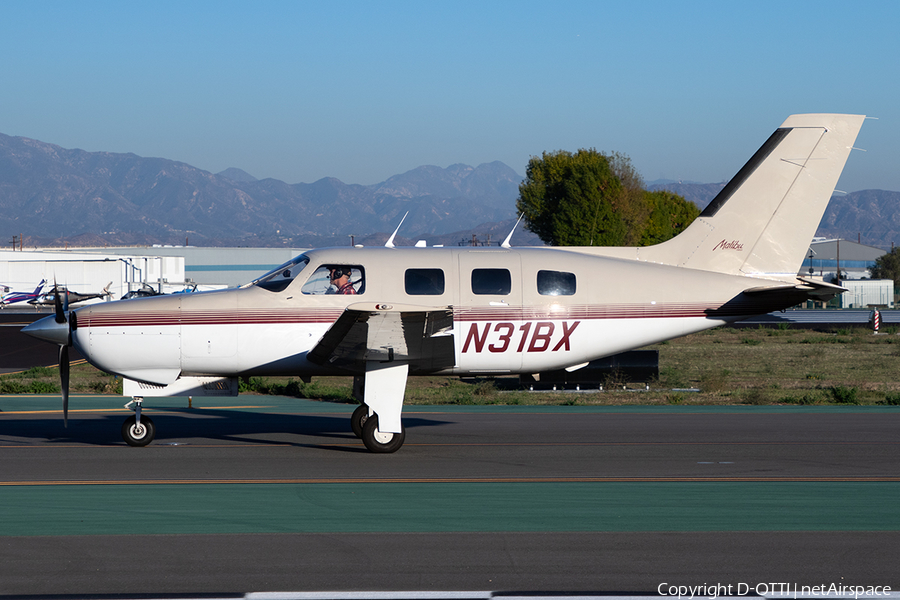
<point x="762" y="222"/>
<point x="40" y="286"/>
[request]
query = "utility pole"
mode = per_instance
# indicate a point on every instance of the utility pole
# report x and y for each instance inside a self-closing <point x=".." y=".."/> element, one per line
<point x="15" y="242"/>
<point x="838" y="262"/>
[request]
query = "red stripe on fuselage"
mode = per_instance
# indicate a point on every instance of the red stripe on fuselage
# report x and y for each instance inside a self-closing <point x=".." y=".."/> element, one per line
<point x="460" y="314"/>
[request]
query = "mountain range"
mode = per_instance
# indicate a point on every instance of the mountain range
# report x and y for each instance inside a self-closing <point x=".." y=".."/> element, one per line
<point x="52" y="196"/>
<point x="868" y="216"/>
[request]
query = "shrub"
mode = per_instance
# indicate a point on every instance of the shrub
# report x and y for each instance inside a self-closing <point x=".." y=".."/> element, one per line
<point x="485" y="388"/>
<point x="674" y="398"/>
<point x="892" y="399"/>
<point x="755" y="396"/>
<point x="844" y="395"/>
<point x="804" y="399"/>
<point x="253" y="384"/>
<point x="42" y="387"/>
<point x="11" y="386"/>
<point x="40" y="372"/>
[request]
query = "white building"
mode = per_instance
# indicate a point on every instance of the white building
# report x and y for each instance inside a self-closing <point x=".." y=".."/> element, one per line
<point x="85" y="272"/>
<point x="865" y="293"/>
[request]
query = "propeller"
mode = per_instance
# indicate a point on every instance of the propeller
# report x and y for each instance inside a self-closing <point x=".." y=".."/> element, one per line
<point x="58" y="330"/>
<point x="64" y="381"/>
<point x="61" y="317"/>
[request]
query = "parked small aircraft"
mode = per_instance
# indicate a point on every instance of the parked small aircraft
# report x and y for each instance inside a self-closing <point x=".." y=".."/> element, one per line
<point x="381" y="314"/>
<point x="144" y="291"/>
<point x="7" y="297"/>
<point x="67" y="297"/>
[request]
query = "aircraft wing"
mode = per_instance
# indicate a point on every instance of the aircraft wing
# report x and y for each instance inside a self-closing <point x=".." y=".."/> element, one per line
<point x="421" y="336"/>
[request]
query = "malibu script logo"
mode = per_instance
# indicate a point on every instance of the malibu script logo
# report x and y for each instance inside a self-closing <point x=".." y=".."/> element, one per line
<point x="732" y="245"/>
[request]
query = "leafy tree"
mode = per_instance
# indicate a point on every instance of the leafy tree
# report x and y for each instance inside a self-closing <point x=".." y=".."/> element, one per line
<point x="569" y="199"/>
<point x="594" y="199"/>
<point x="669" y="214"/>
<point x="630" y="205"/>
<point x="887" y="266"/>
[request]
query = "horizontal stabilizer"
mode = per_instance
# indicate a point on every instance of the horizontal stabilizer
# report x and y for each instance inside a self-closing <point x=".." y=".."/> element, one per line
<point x="813" y="290"/>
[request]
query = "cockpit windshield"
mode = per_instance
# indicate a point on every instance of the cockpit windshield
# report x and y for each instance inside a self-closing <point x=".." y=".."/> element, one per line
<point x="278" y="279"/>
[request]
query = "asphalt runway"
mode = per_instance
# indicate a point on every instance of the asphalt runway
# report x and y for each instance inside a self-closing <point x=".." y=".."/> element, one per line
<point x="262" y="494"/>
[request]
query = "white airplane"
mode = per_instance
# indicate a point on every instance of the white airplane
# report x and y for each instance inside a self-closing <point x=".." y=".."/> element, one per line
<point x="7" y="297"/>
<point x="381" y="314"/>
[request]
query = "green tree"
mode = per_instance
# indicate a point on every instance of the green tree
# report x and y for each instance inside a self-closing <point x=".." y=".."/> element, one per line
<point x="668" y="215"/>
<point x="594" y="199"/>
<point x="887" y="266"/>
<point x="569" y="199"/>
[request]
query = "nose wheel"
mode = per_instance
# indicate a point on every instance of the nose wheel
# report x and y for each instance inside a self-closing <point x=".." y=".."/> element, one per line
<point x="137" y="430"/>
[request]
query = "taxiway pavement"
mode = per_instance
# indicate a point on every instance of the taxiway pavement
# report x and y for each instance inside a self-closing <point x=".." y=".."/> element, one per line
<point x="264" y="493"/>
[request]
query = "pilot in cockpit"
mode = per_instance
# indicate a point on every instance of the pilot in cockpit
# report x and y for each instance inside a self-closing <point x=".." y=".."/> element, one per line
<point x="340" y="281"/>
<point x="336" y="279"/>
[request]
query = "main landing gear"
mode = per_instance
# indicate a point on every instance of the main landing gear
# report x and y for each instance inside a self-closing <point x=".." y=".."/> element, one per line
<point x="365" y="427"/>
<point x="380" y="393"/>
<point x="358" y="419"/>
<point x="364" y="421"/>
<point x="137" y="430"/>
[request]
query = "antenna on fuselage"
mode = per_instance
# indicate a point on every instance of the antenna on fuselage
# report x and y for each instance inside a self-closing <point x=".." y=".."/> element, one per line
<point x="505" y="243"/>
<point x="390" y="242"/>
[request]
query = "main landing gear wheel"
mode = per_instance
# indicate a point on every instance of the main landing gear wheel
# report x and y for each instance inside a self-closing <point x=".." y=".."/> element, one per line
<point x="381" y="442"/>
<point x="138" y="435"/>
<point x="358" y="419"/>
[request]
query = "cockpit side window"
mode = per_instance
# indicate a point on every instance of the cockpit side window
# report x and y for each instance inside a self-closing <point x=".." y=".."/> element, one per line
<point x="336" y="279"/>
<point x="555" y="283"/>
<point x="494" y="282"/>
<point x="278" y="279"/>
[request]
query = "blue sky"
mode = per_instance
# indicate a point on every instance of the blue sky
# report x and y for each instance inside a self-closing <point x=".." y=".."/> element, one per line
<point x="365" y="90"/>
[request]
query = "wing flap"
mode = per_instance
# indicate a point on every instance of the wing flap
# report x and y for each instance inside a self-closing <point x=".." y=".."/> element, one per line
<point x="417" y="335"/>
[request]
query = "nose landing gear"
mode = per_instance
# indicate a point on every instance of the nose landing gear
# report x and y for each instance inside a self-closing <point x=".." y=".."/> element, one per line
<point x="136" y="430"/>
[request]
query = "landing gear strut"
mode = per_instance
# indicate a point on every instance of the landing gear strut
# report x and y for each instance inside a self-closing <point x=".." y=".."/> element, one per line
<point x="382" y="389"/>
<point x="136" y="430"/>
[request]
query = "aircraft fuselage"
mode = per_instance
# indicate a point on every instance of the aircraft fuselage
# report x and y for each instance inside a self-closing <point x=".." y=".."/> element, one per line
<point x="518" y="326"/>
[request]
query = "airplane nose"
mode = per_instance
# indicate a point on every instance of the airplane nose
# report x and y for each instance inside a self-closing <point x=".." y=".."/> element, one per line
<point x="49" y="330"/>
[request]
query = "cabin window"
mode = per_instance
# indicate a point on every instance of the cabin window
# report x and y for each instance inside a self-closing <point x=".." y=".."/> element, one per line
<point x="336" y="279"/>
<point x="424" y="282"/>
<point x="279" y="278"/>
<point x="555" y="283"/>
<point x="491" y="282"/>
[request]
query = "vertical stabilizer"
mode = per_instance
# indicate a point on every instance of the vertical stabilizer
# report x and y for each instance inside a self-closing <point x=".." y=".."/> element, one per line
<point x="762" y="222"/>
